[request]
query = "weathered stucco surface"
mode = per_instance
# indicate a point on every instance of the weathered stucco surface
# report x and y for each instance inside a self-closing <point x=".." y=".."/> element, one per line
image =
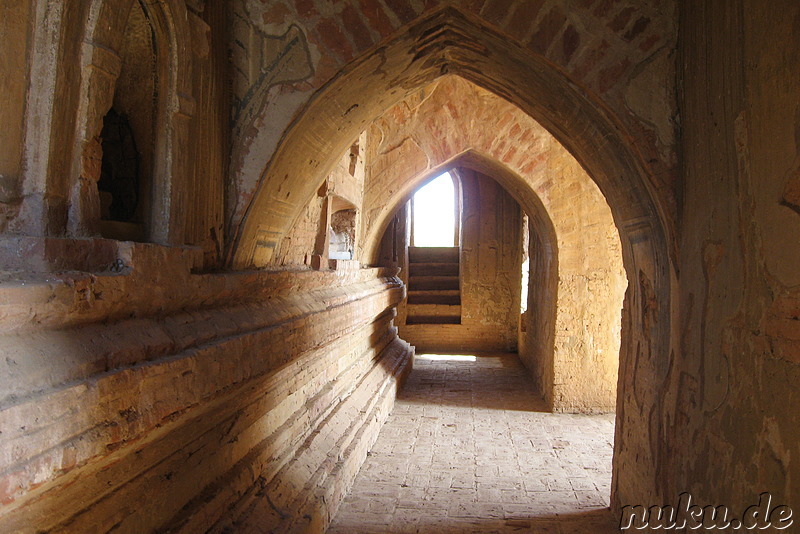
<point x="572" y="335"/>
<point x="735" y="382"/>
<point x="210" y="389"/>
<point x="14" y="28"/>
<point x="376" y="81"/>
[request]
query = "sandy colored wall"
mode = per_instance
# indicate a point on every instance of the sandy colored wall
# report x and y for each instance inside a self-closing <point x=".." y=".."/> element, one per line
<point x="571" y="342"/>
<point x="57" y="116"/>
<point x="590" y="292"/>
<point x="14" y="33"/>
<point x="708" y="395"/>
<point x="736" y="417"/>
<point x="346" y="184"/>
<point x="209" y="136"/>
<point x="537" y="324"/>
<point x="155" y="399"/>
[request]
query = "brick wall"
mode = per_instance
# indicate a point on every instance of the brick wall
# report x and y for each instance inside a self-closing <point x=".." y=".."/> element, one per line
<point x="180" y="405"/>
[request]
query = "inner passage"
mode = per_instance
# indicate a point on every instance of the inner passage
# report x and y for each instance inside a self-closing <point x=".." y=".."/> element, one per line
<point x="470" y="447"/>
<point x="434" y="211"/>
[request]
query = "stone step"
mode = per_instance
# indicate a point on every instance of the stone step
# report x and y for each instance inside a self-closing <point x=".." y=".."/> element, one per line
<point x="433" y="269"/>
<point x="416" y="283"/>
<point x="433" y="314"/>
<point x="449" y="296"/>
<point x="450" y="310"/>
<point x="432" y="319"/>
<point x="433" y="254"/>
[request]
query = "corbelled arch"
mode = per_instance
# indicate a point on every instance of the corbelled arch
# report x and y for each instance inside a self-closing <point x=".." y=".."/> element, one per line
<point x="446" y="43"/>
<point x="450" y="43"/>
<point x="472" y="159"/>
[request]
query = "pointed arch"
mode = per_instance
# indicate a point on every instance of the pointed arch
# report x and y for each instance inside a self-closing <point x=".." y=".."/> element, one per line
<point x="448" y="42"/>
<point x="101" y="63"/>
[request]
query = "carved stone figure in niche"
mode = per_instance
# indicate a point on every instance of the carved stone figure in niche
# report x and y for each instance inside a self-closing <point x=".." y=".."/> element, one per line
<point x="342" y="234"/>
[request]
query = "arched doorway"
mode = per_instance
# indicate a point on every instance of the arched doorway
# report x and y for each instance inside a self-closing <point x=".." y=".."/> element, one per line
<point x="322" y="131"/>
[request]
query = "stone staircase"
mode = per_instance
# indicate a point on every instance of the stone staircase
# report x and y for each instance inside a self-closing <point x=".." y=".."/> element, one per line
<point x="434" y="294"/>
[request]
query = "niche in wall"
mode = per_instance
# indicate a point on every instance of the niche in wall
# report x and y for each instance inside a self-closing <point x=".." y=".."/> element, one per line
<point x="342" y="235"/>
<point x="129" y="135"/>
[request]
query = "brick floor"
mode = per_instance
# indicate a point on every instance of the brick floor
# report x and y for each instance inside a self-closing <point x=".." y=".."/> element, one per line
<point x="469" y="448"/>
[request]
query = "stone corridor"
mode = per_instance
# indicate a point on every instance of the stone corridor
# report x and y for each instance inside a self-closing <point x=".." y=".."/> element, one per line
<point x="470" y="448"/>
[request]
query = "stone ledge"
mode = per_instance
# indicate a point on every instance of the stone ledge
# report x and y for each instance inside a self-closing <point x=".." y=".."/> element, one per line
<point x="90" y="255"/>
<point x="224" y="427"/>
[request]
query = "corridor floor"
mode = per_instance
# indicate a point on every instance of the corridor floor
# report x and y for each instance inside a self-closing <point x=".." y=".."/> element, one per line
<point x="469" y="448"/>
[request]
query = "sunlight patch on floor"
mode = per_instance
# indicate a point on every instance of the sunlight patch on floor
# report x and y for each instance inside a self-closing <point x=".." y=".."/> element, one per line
<point x="446" y="357"/>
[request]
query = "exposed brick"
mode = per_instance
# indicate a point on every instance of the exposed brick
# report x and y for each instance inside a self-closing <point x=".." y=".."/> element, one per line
<point x="603" y="7"/>
<point x="788" y="350"/>
<point x="787" y="305"/>
<point x="426" y="122"/>
<point x="638" y="27"/>
<point x="785" y="328"/>
<point x="621" y="20"/>
<point x="609" y="76"/>
<point x="331" y="35"/>
<point x="530" y="167"/>
<point x="473" y="6"/>
<point x="403" y="9"/>
<point x="153" y="384"/>
<point x="592" y="58"/>
<point x="505" y="118"/>
<point x="549" y="27"/>
<point x="414" y="467"/>
<point x="378" y="20"/>
<point x="647" y="44"/>
<point x="523" y="17"/>
<point x="571" y="42"/>
<point x="185" y="367"/>
<point x="356" y="28"/>
<point x="276" y="14"/>
<point x="305" y="8"/>
<point x="495" y="11"/>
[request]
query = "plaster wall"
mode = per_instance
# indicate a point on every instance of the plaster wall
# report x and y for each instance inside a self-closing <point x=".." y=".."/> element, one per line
<point x="734" y="387"/>
<point x="14" y="30"/>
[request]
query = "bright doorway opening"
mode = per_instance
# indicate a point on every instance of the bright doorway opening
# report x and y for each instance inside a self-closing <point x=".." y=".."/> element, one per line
<point x="434" y="211"/>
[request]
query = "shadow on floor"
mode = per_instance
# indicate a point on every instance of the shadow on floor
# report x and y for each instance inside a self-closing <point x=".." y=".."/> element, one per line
<point x="494" y="381"/>
<point x="598" y="521"/>
<point x="470" y="448"/>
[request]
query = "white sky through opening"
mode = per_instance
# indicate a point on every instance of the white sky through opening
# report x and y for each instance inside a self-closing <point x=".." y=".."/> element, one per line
<point x="526" y="270"/>
<point x="434" y="213"/>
